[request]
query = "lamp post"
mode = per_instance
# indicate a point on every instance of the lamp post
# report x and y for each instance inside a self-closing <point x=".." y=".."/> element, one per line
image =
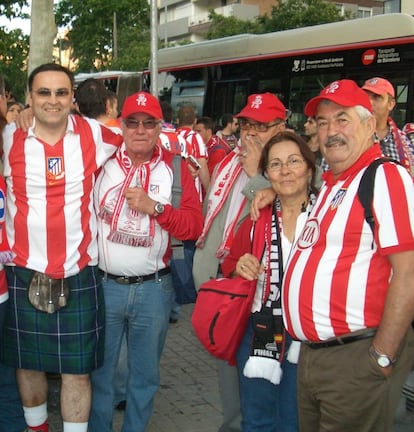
<point x="154" y="49"/>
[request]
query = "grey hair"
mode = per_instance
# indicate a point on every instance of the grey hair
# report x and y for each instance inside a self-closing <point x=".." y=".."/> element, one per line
<point x="363" y="113"/>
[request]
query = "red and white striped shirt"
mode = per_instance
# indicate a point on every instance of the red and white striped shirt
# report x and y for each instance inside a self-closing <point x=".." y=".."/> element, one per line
<point x="337" y="278"/>
<point x="196" y="146"/>
<point x="51" y="222"/>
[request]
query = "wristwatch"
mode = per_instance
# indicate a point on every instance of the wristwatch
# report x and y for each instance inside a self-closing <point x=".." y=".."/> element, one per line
<point x="382" y="360"/>
<point x="159" y="208"/>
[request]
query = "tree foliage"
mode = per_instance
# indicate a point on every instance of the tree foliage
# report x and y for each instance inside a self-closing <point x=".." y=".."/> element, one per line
<point x="228" y="26"/>
<point x="14" y="49"/>
<point x="91" y="24"/>
<point x="299" y="13"/>
<point x="13" y="9"/>
<point x="287" y="15"/>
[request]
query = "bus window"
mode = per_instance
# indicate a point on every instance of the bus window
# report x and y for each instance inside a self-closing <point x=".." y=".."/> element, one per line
<point x="190" y="91"/>
<point x="127" y="85"/>
<point x="228" y="97"/>
<point x="303" y="88"/>
<point x="121" y="82"/>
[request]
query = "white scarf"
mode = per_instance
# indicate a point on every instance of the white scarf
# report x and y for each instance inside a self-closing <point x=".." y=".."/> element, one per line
<point x="128" y="226"/>
<point x="227" y="175"/>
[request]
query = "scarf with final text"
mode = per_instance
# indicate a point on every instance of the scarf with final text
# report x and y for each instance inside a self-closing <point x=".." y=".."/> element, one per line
<point x="269" y="334"/>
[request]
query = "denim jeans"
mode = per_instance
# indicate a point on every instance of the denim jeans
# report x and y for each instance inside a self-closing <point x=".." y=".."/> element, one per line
<point x="121" y="374"/>
<point x="11" y="416"/>
<point x="265" y="406"/>
<point x="141" y="311"/>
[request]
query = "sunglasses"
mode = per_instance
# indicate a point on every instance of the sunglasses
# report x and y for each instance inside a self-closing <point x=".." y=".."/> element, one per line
<point x="131" y="123"/>
<point x="59" y="93"/>
<point x="258" y="127"/>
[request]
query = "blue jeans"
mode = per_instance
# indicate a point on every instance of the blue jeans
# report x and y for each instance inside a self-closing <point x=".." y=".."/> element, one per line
<point x="11" y="416"/>
<point x="265" y="406"/>
<point x="142" y="312"/>
<point x="121" y="374"/>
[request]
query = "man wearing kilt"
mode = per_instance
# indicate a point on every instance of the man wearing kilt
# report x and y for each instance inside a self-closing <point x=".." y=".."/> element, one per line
<point x="55" y="319"/>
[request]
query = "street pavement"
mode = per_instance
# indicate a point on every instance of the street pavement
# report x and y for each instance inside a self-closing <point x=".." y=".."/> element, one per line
<point x="188" y="400"/>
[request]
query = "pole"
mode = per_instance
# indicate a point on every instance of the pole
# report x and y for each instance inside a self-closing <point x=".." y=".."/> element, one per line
<point x="165" y="24"/>
<point x="154" y="48"/>
<point x="115" y="38"/>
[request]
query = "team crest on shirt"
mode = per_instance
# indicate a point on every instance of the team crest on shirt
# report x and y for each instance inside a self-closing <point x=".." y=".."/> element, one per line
<point x="55" y="169"/>
<point x="309" y="235"/>
<point x="154" y="189"/>
<point x="338" y="198"/>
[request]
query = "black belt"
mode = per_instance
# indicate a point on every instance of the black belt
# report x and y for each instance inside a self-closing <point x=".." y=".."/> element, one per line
<point x="129" y="280"/>
<point x="341" y="340"/>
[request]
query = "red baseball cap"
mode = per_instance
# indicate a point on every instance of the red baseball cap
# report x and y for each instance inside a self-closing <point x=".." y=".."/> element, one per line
<point x="142" y="102"/>
<point x="345" y="92"/>
<point x="408" y="128"/>
<point x="263" y="108"/>
<point x="379" y="86"/>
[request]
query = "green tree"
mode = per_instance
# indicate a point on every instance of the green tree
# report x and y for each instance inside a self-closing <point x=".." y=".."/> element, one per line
<point x="287" y="15"/>
<point x="300" y="13"/>
<point x="13" y="9"/>
<point x="91" y="24"/>
<point x="229" y="26"/>
<point x="14" y="49"/>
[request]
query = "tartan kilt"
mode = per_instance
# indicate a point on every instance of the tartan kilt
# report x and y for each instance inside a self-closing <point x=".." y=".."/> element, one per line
<point x="70" y="340"/>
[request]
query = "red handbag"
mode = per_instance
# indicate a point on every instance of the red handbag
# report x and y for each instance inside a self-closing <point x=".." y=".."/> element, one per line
<point x="221" y="314"/>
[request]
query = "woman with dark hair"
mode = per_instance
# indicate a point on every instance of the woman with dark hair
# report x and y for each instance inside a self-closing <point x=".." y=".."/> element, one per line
<point x="13" y="110"/>
<point x="267" y="357"/>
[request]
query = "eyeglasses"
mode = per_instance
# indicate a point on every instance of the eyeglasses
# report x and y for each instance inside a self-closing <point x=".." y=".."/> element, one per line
<point x="59" y="93"/>
<point x="258" y="127"/>
<point x="293" y="162"/>
<point x="131" y="123"/>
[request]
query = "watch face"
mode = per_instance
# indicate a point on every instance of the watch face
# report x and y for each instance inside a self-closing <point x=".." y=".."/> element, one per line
<point x="159" y="208"/>
<point x="383" y="361"/>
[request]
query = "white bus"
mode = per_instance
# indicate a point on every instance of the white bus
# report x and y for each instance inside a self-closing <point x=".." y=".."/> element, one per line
<point x="121" y="82"/>
<point x="218" y="75"/>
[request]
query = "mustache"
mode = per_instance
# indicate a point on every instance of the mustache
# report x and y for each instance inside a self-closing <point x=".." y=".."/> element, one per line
<point x="331" y="141"/>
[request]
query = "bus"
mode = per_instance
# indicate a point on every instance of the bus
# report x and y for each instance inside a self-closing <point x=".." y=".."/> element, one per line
<point x="218" y="75"/>
<point x="121" y="82"/>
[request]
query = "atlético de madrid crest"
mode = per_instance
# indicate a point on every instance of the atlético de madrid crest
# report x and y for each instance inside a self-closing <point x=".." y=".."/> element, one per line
<point x="55" y="169"/>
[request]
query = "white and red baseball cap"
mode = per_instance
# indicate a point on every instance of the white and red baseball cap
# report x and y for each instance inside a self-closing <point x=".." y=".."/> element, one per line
<point x="263" y="108"/>
<point x="142" y="102"/>
<point x="345" y="92"/>
<point x="379" y="86"/>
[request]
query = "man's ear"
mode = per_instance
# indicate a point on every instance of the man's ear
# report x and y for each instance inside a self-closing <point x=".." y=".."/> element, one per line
<point x="391" y="103"/>
<point x="371" y="123"/>
<point x="108" y="107"/>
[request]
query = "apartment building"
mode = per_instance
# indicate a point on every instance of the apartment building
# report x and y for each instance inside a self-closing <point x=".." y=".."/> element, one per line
<point x="188" y="20"/>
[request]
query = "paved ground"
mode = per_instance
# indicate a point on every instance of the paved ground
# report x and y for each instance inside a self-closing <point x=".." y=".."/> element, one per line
<point x="188" y="400"/>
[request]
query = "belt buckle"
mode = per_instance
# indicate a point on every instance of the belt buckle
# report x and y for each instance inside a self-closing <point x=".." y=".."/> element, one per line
<point x="122" y="280"/>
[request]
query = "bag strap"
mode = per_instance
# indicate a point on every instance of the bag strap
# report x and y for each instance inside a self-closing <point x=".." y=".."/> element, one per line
<point x="366" y="188"/>
<point x="176" y="186"/>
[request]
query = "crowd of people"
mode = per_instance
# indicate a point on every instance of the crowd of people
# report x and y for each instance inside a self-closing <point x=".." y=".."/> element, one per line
<point x="99" y="201"/>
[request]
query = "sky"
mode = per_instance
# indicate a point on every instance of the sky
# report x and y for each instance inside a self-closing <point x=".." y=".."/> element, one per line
<point x="17" y="23"/>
